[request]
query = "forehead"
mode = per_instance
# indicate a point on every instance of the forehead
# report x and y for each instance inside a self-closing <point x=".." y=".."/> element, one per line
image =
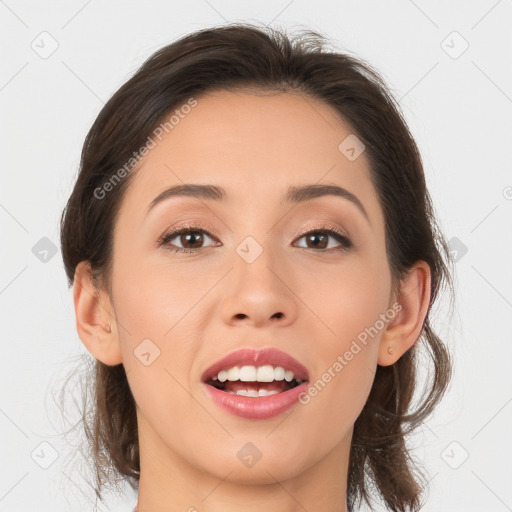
<point x="254" y="146"/>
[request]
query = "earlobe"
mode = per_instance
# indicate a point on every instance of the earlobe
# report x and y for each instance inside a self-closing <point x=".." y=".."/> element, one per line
<point x="405" y="329"/>
<point x="95" y="323"/>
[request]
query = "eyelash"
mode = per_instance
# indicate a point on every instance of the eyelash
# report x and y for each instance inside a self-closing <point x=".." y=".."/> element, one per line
<point x="347" y="244"/>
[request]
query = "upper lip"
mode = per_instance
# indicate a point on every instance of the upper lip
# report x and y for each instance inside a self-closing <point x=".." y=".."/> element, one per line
<point x="252" y="357"/>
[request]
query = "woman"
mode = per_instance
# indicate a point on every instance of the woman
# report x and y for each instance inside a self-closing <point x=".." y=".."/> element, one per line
<point x="254" y="256"/>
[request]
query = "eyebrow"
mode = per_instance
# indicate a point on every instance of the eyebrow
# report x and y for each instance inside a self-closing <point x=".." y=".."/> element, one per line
<point x="294" y="194"/>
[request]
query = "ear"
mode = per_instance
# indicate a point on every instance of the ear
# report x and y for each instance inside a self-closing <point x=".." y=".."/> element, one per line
<point x="93" y="311"/>
<point x="403" y="331"/>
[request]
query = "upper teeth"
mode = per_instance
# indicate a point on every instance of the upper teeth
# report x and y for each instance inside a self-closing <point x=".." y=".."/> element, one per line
<point x="265" y="373"/>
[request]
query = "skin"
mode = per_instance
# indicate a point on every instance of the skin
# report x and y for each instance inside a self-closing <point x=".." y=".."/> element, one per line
<point x="197" y="307"/>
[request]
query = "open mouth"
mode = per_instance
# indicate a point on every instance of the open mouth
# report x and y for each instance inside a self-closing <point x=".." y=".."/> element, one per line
<point x="248" y="372"/>
<point x="254" y="388"/>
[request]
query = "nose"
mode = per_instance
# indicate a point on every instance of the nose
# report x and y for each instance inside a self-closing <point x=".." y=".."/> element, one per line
<point x="259" y="293"/>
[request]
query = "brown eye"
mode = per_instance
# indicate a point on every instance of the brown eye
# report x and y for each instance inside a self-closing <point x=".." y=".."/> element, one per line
<point x="194" y="238"/>
<point x="186" y="239"/>
<point x="319" y="239"/>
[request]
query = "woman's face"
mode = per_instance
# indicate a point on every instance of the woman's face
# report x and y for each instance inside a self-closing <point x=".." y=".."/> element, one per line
<point x="253" y="281"/>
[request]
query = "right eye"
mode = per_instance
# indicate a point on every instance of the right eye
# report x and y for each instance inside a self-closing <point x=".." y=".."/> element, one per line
<point x="193" y="235"/>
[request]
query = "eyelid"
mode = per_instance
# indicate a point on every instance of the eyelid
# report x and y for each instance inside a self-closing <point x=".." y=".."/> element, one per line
<point x="171" y="233"/>
<point x="304" y="231"/>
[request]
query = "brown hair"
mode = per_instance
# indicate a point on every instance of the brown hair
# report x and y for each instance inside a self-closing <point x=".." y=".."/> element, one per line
<point x="243" y="57"/>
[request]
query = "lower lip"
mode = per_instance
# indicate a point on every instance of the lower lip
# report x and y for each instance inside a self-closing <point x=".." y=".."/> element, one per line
<point x="256" y="408"/>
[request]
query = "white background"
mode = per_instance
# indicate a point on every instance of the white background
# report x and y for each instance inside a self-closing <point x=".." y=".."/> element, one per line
<point x="459" y="110"/>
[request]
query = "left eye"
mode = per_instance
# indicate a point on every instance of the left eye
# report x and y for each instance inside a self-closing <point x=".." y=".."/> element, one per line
<point x="319" y="238"/>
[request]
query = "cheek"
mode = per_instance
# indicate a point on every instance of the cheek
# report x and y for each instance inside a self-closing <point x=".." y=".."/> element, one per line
<point x="158" y="335"/>
<point x="349" y="304"/>
<point x="158" y="341"/>
<point x="152" y="297"/>
<point x="339" y="387"/>
<point x="346" y="298"/>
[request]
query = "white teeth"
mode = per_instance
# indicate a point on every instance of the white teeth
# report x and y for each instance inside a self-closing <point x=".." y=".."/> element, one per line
<point x="233" y="373"/>
<point x="247" y="374"/>
<point x="264" y="392"/>
<point x="253" y="392"/>
<point x="266" y="373"/>
<point x="279" y="373"/>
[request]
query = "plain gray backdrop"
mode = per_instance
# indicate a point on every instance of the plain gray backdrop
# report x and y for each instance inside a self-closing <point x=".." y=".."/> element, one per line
<point x="449" y="65"/>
